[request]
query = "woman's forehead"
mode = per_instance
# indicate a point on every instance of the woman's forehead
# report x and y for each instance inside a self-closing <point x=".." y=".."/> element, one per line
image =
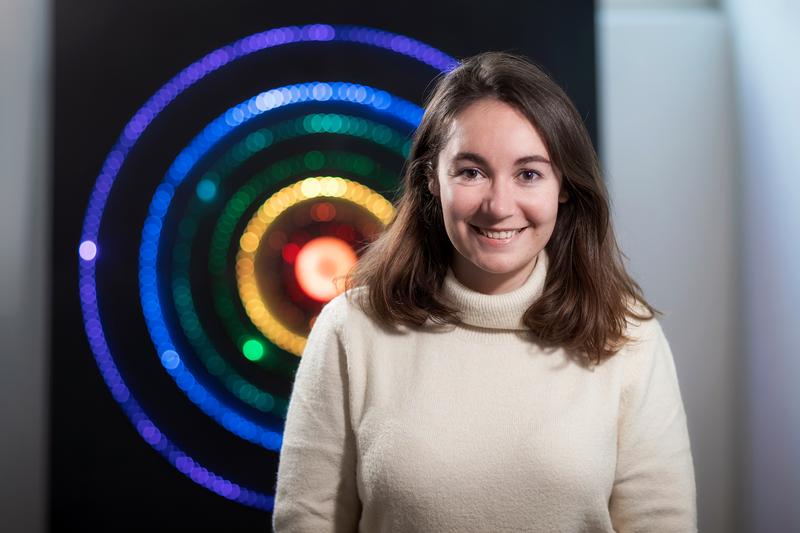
<point x="494" y="136"/>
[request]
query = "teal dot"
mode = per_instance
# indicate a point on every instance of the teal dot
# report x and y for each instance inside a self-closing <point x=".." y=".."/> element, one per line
<point x="314" y="125"/>
<point x="359" y="127"/>
<point x="216" y="365"/>
<point x="334" y="123"/>
<point x="206" y="190"/>
<point x="256" y="141"/>
<point x="187" y="228"/>
<point x="381" y="134"/>
<point x="240" y="153"/>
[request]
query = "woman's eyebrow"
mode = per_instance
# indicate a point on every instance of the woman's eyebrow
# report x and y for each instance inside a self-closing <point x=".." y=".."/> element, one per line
<point x="479" y="159"/>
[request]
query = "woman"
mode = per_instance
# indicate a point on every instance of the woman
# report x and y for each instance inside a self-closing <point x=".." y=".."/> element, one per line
<point x="492" y="366"/>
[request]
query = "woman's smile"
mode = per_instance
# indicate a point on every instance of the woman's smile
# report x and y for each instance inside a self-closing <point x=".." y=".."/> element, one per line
<point x="496" y="237"/>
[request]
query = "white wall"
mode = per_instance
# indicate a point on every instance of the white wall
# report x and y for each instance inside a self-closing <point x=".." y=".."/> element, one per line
<point x="668" y="149"/>
<point x="24" y="220"/>
<point x="767" y="43"/>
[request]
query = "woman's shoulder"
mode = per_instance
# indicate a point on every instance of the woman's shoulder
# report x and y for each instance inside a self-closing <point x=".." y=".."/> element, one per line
<point x="646" y="341"/>
<point x="642" y="328"/>
<point x="352" y="310"/>
<point x="345" y="307"/>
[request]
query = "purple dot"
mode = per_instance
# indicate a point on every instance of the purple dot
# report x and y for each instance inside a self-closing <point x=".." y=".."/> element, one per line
<point x="184" y="464"/>
<point x="120" y="393"/>
<point x="87" y="250"/>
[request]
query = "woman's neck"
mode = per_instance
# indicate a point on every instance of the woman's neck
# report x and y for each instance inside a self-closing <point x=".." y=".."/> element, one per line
<point x="499" y="311"/>
<point x="484" y="282"/>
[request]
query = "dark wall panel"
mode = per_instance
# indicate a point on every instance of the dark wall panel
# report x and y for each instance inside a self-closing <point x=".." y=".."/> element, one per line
<point x="168" y="389"/>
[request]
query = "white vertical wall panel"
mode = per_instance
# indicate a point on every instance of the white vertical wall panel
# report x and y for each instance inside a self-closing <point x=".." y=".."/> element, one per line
<point x="668" y="150"/>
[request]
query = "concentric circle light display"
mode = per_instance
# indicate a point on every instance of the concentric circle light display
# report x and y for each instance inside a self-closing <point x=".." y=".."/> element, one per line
<point x="245" y="235"/>
<point x="273" y="211"/>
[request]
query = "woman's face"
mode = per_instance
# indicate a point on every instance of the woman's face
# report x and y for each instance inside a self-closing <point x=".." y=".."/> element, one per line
<point x="494" y="176"/>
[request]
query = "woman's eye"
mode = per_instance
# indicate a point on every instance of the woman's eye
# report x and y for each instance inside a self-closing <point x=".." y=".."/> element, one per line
<point x="530" y="175"/>
<point x="471" y="173"/>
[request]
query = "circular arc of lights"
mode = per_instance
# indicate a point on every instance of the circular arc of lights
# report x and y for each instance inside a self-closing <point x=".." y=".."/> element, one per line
<point x="170" y="357"/>
<point x="88" y="250"/>
<point x="223" y="231"/>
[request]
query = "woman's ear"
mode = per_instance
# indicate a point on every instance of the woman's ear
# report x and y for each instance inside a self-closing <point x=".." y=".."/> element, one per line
<point x="433" y="185"/>
<point x="563" y="195"/>
<point x="433" y="181"/>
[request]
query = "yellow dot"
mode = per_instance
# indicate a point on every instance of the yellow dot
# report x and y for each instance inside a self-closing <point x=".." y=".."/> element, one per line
<point x="270" y="211"/>
<point x="290" y="195"/>
<point x="249" y="242"/>
<point x="336" y="187"/>
<point x="252" y="305"/>
<point x="323" y="185"/>
<point x="263" y="216"/>
<point x="284" y="199"/>
<point x="310" y="187"/>
<point x="248" y="297"/>
<point x="244" y="266"/>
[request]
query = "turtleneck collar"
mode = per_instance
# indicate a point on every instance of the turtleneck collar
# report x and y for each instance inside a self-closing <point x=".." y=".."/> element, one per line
<point x="497" y="311"/>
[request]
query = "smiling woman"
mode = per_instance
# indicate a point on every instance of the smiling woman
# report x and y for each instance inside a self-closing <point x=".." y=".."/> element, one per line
<point x="489" y="126"/>
<point x="491" y="367"/>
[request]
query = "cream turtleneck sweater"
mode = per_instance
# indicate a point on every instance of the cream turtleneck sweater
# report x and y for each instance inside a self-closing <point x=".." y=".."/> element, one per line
<point x="475" y="427"/>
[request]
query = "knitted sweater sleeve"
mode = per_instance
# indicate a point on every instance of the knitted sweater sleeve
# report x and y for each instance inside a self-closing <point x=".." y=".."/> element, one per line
<point x="654" y="487"/>
<point x="316" y="484"/>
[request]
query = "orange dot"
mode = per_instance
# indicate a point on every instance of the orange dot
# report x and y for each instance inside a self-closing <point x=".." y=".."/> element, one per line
<point x="319" y="263"/>
<point x="323" y="212"/>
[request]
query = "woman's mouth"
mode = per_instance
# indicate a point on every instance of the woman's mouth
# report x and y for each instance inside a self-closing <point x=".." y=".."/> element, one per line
<point x="497" y="237"/>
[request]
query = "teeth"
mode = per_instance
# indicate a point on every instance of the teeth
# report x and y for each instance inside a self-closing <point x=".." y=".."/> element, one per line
<point x="498" y="234"/>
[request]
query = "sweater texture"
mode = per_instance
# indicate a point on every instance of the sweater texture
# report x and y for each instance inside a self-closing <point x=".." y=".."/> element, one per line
<point x="475" y="427"/>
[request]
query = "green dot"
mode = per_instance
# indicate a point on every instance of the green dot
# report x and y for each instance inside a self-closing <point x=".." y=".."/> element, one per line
<point x="314" y="160"/>
<point x="253" y="350"/>
<point x="362" y="165"/>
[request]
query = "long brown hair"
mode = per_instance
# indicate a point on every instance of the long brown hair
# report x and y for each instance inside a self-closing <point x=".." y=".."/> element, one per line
<point x="587" y="296"/>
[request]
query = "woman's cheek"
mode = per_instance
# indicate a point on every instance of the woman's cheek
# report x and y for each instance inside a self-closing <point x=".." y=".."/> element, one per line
<point x="464" y="204"/>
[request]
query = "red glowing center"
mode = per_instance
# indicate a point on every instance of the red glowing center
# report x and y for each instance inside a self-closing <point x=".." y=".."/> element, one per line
<point x="320" y="265"/>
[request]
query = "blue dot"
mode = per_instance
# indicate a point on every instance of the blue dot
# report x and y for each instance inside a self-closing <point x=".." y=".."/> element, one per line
<point x="170" y="359"/>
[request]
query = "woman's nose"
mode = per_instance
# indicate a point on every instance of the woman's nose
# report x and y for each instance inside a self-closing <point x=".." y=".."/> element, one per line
<point x="499" y="199"/>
